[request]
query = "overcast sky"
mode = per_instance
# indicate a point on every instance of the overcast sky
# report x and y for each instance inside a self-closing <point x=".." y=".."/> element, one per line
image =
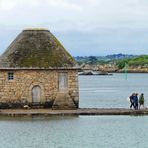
<point x="85" y="27"/>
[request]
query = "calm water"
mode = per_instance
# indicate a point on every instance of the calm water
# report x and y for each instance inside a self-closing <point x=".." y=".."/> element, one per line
<point x="75" y="132"/>
<point x="111" y="91"/>
<point x="85" y="131"/>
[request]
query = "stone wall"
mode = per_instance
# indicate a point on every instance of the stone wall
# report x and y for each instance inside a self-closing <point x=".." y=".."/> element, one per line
<point x="20" y="88"/>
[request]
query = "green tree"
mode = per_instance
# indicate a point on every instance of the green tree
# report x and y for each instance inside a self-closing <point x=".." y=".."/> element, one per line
<point x="92" y="60"/>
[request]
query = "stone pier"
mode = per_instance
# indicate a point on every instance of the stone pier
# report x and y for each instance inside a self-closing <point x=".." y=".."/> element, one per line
<point x="80" y="111"/>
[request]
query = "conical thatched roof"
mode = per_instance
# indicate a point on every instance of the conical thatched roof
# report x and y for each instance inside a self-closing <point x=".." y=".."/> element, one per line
<point x="36" y="48"/>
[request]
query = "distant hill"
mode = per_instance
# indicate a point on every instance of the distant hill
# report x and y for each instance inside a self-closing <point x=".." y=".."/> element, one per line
<point x="102" y="59"/>
<point x="120" y="56"/>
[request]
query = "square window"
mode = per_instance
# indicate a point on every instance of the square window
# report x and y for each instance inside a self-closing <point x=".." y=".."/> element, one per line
<point x="10" y="76"/>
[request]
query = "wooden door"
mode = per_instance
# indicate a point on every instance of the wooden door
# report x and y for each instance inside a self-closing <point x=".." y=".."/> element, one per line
<point x="36" y="94"/>
<point x="63" y="81"/>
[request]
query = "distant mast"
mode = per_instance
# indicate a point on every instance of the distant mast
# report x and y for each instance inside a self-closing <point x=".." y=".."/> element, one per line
<point x="126" y="70"/>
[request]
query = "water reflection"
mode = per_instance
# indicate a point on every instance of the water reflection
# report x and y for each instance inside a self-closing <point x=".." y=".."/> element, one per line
<point x="37" y="118"/>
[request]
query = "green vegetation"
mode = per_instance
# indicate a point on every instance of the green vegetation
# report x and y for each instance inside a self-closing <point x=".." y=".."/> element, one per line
<point x="92" y="60"/>
<point x="121" y="63"/>
<point x="141" y="60"/>
<point x="119" y="60"/>
<point x="134" y="62"/>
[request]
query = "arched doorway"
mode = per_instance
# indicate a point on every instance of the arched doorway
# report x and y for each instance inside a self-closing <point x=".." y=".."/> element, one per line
<point x="36" y="94"/>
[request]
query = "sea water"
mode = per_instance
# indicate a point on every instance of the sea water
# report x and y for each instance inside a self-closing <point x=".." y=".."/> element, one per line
<point x="85" y="131"/>
<point x="111" y="91"/>
<point x="74" y="132"/>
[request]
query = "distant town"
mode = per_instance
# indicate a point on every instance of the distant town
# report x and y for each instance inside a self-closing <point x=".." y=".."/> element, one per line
<point x="114" y="63"/>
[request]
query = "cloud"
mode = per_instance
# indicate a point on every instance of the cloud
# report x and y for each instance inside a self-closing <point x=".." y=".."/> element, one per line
<point x="63" y="4"/>
<point x="7" y="4"/>
<point x="23" y="13"/>
<point x="87" y="15"/>
<point x="100" y="24"/>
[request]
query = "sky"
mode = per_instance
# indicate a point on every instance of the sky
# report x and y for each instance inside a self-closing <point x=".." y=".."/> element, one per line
<point x="84" y="27"/>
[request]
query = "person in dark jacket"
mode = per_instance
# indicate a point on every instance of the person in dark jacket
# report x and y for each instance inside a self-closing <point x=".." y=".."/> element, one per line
<point x="132" y="101"/>
<point x="135" y="98"/>
<point x="141" y="100"/>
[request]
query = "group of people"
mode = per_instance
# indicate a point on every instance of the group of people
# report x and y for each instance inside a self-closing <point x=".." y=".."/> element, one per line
<point x="136" y="102"/>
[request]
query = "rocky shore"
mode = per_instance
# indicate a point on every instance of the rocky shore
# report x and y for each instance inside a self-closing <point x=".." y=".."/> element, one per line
<point x="112" y="68"/>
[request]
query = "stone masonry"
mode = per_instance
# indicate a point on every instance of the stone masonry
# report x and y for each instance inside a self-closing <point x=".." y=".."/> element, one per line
<point x="20" y="88"/>
<point x="37" y="71"/>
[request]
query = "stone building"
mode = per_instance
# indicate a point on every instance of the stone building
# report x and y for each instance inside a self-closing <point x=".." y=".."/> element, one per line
<point x="37" y="70"/>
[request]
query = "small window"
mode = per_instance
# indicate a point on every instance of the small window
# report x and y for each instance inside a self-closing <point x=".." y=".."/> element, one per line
<point x="63" y="81"/>
<point x="10" y="76"/>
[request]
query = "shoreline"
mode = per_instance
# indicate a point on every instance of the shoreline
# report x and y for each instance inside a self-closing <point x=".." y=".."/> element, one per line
<point x="108" y="73"/>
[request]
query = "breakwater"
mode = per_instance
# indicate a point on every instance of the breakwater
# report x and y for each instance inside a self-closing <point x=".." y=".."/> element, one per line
<point x="80" y="111"/>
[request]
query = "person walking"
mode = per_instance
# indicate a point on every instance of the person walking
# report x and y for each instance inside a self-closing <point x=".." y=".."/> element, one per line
<point x="135" y="99"/>
<point x="141" y="100"/>
<point x="132" y="101"/>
